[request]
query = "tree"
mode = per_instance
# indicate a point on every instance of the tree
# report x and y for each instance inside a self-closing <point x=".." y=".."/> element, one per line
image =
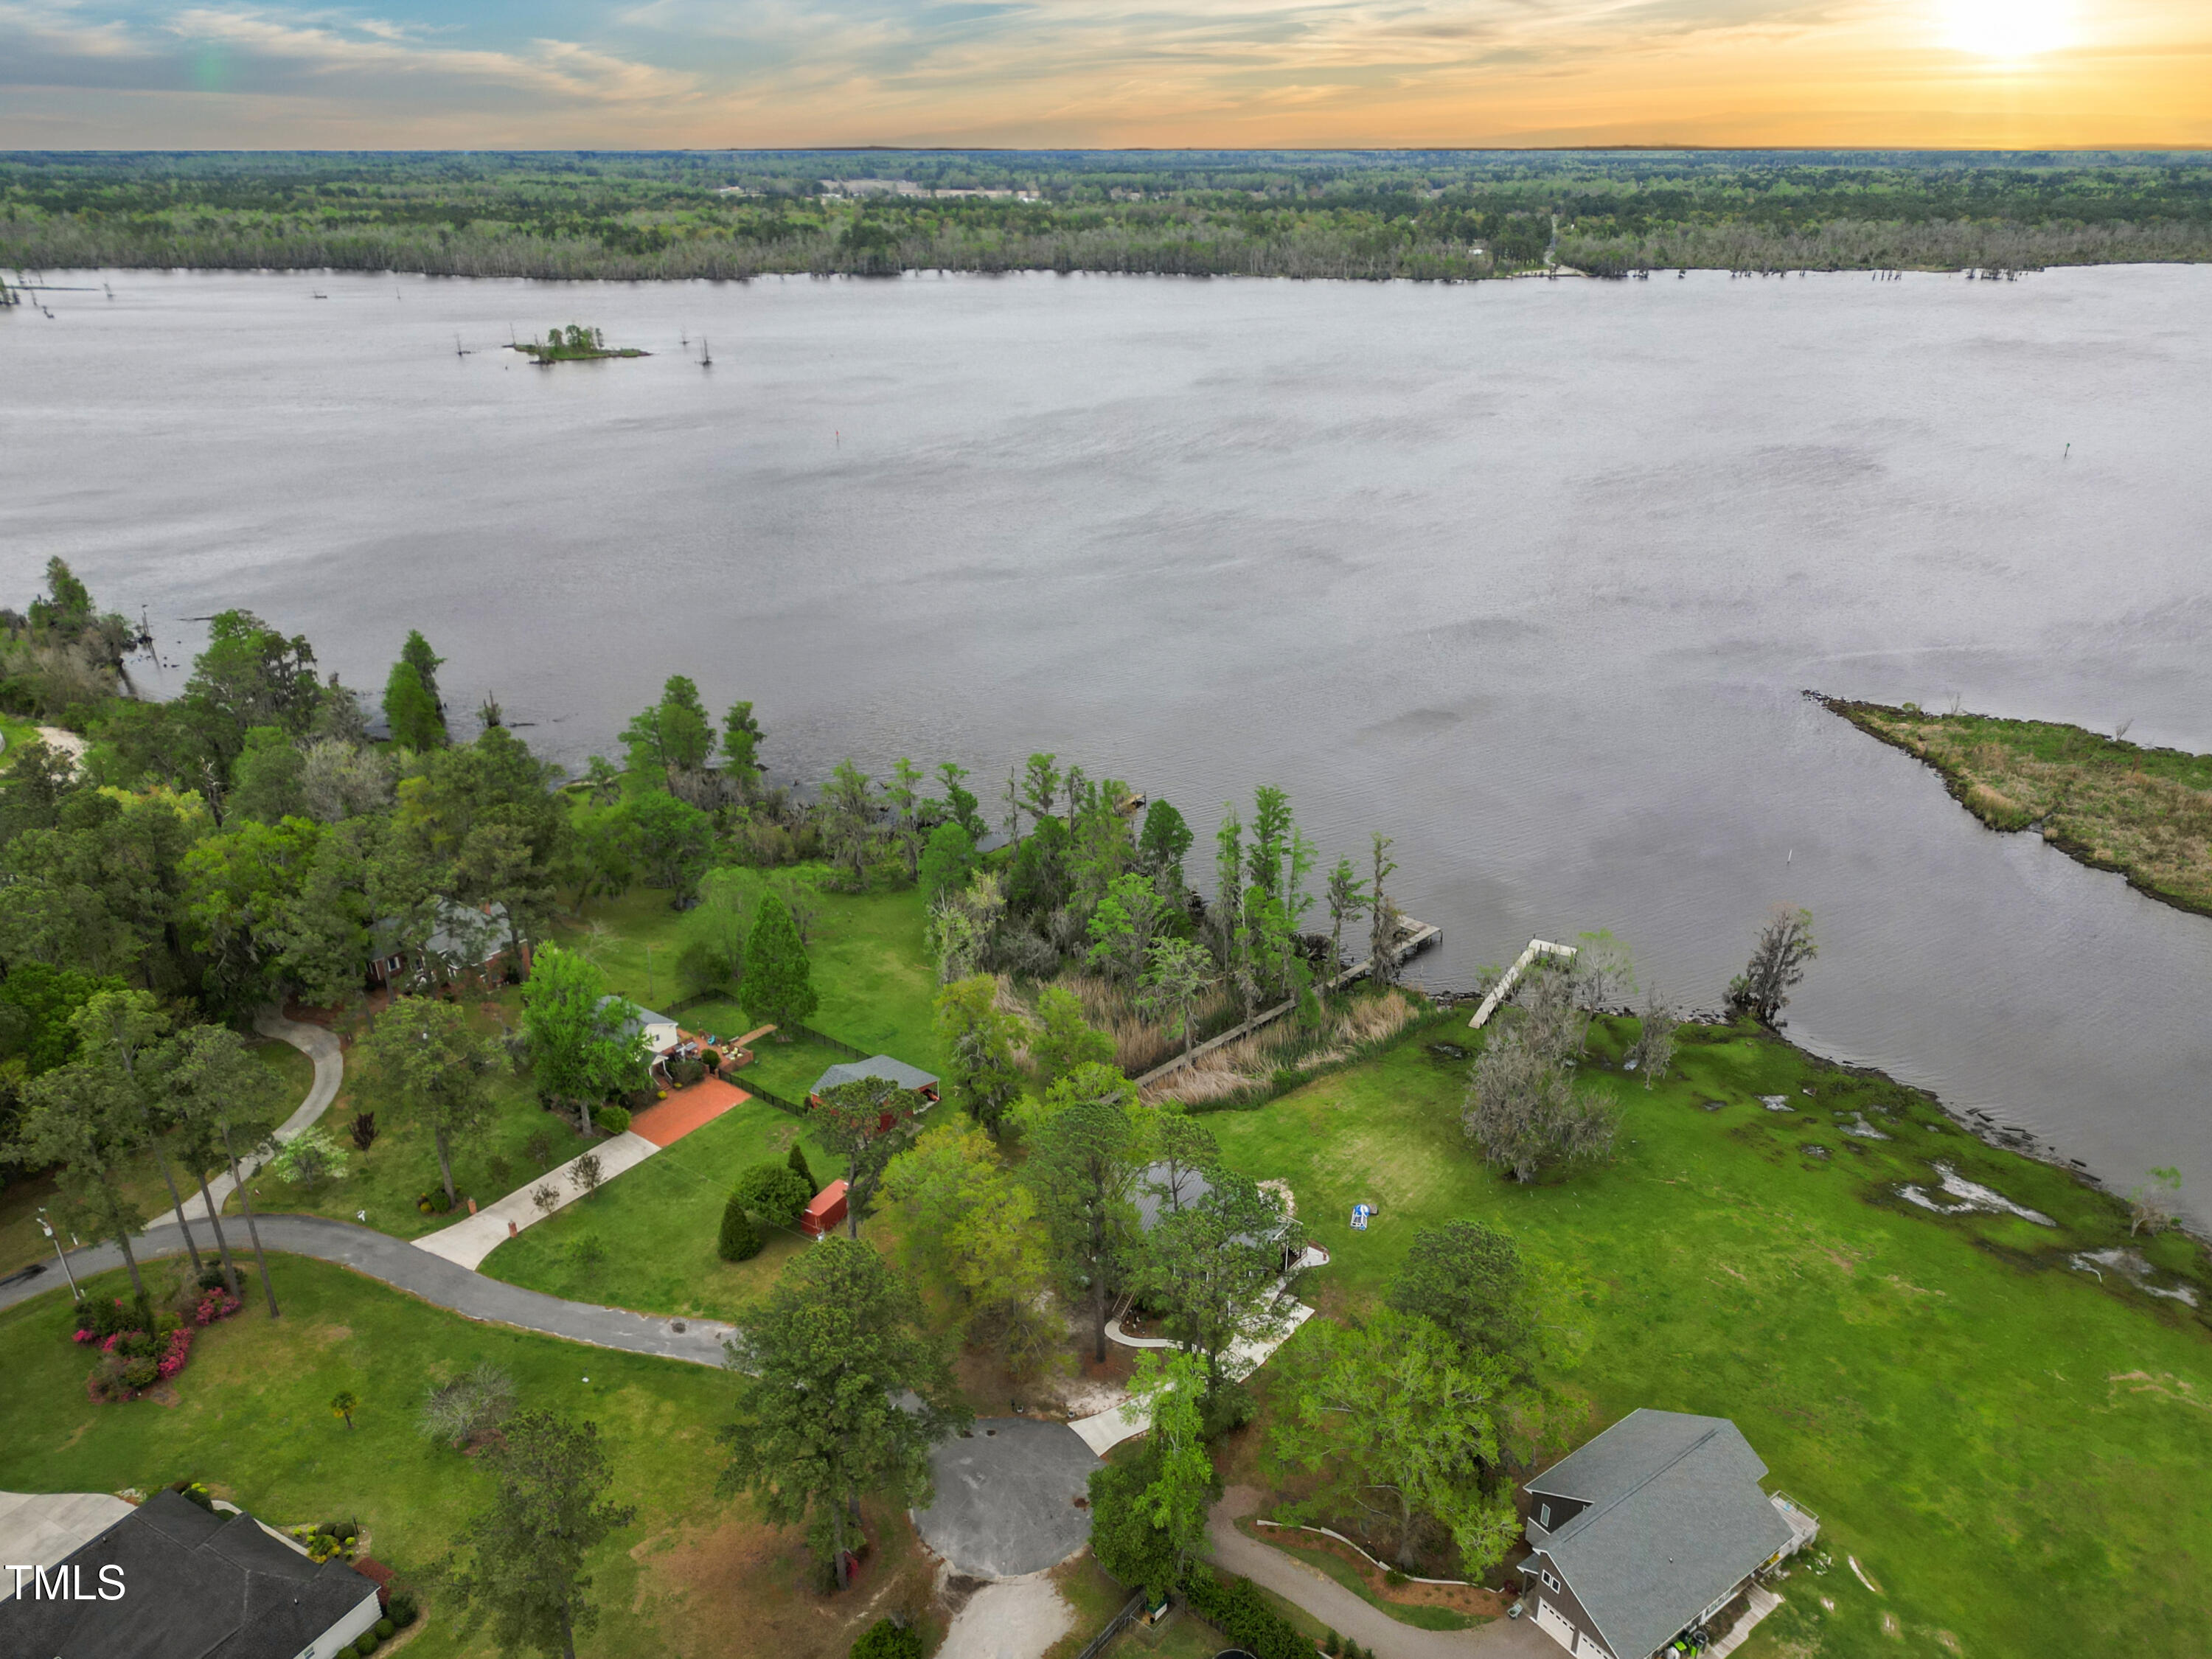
<point x="1129" y="917"/>
<point x="739" y="1240"/>
<point x="241" y="889"/>
<point x="904" y="794"/>
<point x="416" y="653"/>
<point x="584" y="1046"/>
<point x="226" y="1101"/>
<point x="1399" y="1425"/>
<point x="1382" y="918"/>
<point x="1162" y="844"/>
<point x="1064" y="1039"/>
<point x="2151" y="1205"/>
<point x="1176" y="974"/>
<point x="848" y="822"/>
<point x="1040" y="787"/>
<point x="522" y="1556"/>
<point x="1469" y="1280"/>
<point x="1224" y="916"/>
<point x="410" y="710"/>
<point x="1148" y="1510"/>
<point x="729" y="899"/>
<point x="851" y="1120"/>
<point x="823" y="1364"/>
<point x="1214" y="1262"/>
<point x="961" y="806"/>
<point x="1524" y="1109"/>
<point x="673" y="840"/>
<point x="308" y="1159"/>
<point x="1347" y="902"/>
<point x="774" y="1192"/>
<point x="741" y="737"/>
<point x="979" y="1037"/>
<point x="1777" y="968"/>
<point x="778" y="988"/>
<point x="970" y="1231"/>
<point x="423" y="1061"/>
<point x="249" y="675"/>
<point x="268" y="779"/>
<point x="82" y="1118"/>
<point x="1084" y="1165"/>
<point x="1038" y="881"/>
<point x="797" y="1159"/>
<point x="945" y="862"/>
<point x="124" y="1029"/>
<point x="1653" y="1051"/>
<point x="474" y="1403"/>
<point x="1184" y="1149"/>
<point x="344" y="1403"/>
<point x="673" y="736"/>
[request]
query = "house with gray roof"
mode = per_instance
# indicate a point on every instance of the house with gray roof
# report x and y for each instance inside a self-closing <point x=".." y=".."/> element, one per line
<point x="170" y="1580"/>
<point x="465" y="943"/>
<point x="1649" y="1533"/>
<point x="896" y="1072"/>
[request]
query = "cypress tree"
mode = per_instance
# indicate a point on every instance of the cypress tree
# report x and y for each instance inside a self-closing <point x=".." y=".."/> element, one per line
<point x="798" y="1161"/>
<point x="778" y="982"/>
<point x="740" y="1240"/>
<point x="412" y="710"/>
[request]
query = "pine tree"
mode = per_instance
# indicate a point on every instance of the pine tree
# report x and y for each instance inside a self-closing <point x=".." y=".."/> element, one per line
<point x="778" y="982"/>
<point x="798" y="1161"/>
<point x="740" y="1240"/>
<point x="411" y="710"/>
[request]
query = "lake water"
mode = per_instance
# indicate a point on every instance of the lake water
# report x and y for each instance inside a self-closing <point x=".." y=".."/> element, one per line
<point x="1529" y="576"/>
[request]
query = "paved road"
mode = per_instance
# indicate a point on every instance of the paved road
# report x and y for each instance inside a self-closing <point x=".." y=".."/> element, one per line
<point x="1345" y="1613"/>
<point x="1006" y="1494"/>
<point x="399" y="1264"/>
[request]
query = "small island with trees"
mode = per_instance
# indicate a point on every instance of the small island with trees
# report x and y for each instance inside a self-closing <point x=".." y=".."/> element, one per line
<point x="574" y="344"/>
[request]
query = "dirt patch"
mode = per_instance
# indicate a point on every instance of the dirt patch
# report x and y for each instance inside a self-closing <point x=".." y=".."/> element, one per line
<point x="330" y="1336"/>
<point x="164" y="1394"/>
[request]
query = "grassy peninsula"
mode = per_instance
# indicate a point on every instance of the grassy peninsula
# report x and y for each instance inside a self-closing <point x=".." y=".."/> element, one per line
<point x="2146" y="813"/>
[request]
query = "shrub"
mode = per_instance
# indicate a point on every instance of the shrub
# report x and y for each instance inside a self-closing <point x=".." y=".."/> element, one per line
<point x="1394" y="1576"/>
<point x="686" y="1073"/>
<point x="402" y="1611"/>
<point x="194" y="1492"/>
<point x="885" y="1640"/>
<point x="773" y="1192"/>
<point x="612" y="1120"/>
<point x="1236" y="1608"/>
<point x="740" y="1240"/>
<point x="140" y="1373"/>
<point x="385" y="1629"/>
<point x="473" y="1404"/>
<point x="434" y="1202"/>
<point x="798" y="1161"/>
<point x="367" y="1642"/>
<point x="711" y="1059"/>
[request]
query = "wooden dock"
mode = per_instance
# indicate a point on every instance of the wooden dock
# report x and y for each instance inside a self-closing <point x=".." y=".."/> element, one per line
<point x="1412" y="938"/>
<point x="1511" y="981"/>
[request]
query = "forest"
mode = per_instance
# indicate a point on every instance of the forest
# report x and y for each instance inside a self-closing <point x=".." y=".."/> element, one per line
<point x="1440" y="216"/>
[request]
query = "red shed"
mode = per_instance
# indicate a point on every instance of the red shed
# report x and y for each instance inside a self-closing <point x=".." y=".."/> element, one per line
<point x="822" y="1215"/>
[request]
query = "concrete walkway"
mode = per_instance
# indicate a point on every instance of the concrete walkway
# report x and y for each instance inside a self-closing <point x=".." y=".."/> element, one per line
<point x="1347" y="1613"/>
<point x="468" y="1241"/>
<point x="319" y="1046"/>
<point x="442" y="1283"/>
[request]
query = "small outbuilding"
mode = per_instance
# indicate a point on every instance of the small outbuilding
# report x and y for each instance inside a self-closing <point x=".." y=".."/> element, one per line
<point x="1650" y="1532"/>
<point x="826" y="1214"/>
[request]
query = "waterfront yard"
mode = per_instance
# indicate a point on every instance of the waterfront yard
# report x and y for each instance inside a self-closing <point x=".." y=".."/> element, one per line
<point x="2007" y="1445"/>
<point x="252" y="1418"/>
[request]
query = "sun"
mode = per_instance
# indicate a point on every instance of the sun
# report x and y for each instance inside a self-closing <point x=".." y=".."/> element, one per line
<point x="2005" y="28"/>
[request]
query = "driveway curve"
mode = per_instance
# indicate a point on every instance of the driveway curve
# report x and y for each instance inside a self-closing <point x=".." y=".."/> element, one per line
<point x="318" y="1045"/>
<point x="1347" y="1613"/>
<point x="437" y="1281"/>
<point x="1007" y="1496"/>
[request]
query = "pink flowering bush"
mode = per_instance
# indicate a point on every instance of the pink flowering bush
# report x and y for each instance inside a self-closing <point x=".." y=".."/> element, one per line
<point x="173" y="1355"/>
<point x="216" y="1304"/>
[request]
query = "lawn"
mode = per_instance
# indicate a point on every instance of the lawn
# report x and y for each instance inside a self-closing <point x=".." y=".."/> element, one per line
<point x="2003" y="1442"/>
<point x="252" y="1420"/>
<point x="870" y="952"/>
<point x="653" y="1229"/>
<point x="2114" y="805"/>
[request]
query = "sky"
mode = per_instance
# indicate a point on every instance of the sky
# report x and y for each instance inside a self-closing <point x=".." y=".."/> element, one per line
<point x="561" y="74"/>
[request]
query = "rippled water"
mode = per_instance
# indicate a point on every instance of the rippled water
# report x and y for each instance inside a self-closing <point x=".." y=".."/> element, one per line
<point x="1529" y="576"/>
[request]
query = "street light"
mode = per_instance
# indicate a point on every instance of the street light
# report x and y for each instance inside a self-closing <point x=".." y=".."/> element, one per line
<point x="47" y="1227"/>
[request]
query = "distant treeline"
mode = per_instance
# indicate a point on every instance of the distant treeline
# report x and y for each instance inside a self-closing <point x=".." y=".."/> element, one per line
<point x="1427" y="215"/>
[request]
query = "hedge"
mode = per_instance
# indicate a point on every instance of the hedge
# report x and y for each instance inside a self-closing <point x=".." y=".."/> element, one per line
<point x="1239" y="1612"/>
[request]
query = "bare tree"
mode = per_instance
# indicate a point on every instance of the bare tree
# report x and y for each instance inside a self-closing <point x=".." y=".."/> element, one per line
<point x="1383" y="916"/>
<point x="2151" y="1205"/>
<point x="1524" y="1109"/>
<point x="587" y="1174"/>
<point x="1654" y="1049"/>
<point x="1777" y="967"/>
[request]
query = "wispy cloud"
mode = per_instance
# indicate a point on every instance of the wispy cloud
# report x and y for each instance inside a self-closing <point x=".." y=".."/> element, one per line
<point x="642" y="72"/>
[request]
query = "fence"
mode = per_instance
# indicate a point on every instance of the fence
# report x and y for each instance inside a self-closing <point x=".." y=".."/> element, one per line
<point x="828" y="1042"/>
<point x="1115" y="1625"/>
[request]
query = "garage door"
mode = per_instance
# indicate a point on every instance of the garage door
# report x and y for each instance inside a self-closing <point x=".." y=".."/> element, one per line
<point x="1554" y="1624"/>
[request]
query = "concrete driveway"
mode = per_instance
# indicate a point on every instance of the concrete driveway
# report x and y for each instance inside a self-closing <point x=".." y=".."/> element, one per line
<point x="1007" y="1497"/>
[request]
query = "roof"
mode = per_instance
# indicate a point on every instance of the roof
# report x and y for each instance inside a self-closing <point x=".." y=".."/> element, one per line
<point x="196" y="1586"/>
<point x="890" y="1070"/>
<point x="459" y="933"/>
<point x="1150" y="1196"/>
<point x="1675" y="1519"/>
<point x="640" y="1019"/>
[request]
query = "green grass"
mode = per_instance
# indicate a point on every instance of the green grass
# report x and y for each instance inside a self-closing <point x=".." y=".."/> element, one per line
<point x="656" y="1225"/>
<point x="253" y="1421"/>
<point x="16" y="731"/>
<point x="293" y="1068"/>
<point x="1406" y="1613"/>
<point x="2001" y="1442"/>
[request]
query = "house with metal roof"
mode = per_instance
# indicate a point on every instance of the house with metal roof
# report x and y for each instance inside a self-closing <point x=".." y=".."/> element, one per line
<point x="170" y="1580"/>
<point x="1650" y="1532"/>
